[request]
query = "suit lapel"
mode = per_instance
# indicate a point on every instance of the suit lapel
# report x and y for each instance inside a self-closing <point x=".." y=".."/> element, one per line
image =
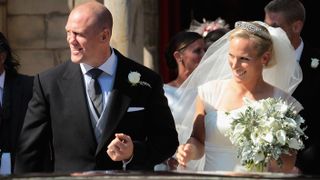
<point x="7" y="91"/>
<point x="72" y="85"/>
<point x="5" y="124"/>
<point x="305" y="59"/>
<point x="10" y="102"/>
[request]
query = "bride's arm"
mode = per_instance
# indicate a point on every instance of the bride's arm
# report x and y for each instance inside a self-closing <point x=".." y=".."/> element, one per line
<point x="198" y="133"/>
<point x="194" y="148"/>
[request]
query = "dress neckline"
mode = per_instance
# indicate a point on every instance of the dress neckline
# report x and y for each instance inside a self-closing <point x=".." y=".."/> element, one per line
<point x="276" y="93"/>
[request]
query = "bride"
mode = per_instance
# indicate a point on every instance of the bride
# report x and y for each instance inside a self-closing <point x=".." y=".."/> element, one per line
<point x="253" y="61"/>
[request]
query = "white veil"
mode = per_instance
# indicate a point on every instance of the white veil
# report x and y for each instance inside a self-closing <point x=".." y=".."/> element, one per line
<point x="285" y="74"/>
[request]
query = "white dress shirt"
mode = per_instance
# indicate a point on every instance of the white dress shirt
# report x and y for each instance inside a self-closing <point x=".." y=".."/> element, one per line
<point x="2" y="76"/>
<point x="299" y="51"/>
<point x="106" y="81"/>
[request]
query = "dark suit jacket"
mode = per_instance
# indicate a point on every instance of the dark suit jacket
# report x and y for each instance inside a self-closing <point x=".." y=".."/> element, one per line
<point x="16" y="96"/>
<point x="58" y="117"/>
<point x="308" y="94"/>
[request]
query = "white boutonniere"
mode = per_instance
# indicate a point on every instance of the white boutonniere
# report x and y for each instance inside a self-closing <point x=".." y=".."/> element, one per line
<point x="314" y="62"/>
<point x="134" y="79"/>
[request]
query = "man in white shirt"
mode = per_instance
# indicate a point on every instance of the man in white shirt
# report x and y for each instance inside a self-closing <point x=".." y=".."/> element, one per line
<point x="135" y="128"/>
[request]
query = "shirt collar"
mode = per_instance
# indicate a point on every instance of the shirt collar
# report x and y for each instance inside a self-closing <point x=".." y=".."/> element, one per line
<point x="2" y="76"/>
<point x="299" y="50"/>
<point x="109" y="66"/>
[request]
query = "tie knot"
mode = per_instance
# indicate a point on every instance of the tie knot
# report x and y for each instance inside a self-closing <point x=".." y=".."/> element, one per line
<point x="95" y="73"/>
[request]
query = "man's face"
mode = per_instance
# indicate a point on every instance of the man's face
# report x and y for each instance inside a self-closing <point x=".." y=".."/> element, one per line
<point x="277" y="20"/>
<point x="83" y="38"/>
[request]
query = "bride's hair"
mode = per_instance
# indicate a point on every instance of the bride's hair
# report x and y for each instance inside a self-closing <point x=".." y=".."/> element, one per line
<point x="258" y="34"/>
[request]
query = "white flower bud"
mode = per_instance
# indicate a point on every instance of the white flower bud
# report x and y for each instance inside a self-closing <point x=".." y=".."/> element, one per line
<point x="281" y="137"/>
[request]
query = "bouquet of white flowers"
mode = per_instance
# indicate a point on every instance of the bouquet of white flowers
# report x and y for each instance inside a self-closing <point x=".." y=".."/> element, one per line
<point x="263" y="130"/>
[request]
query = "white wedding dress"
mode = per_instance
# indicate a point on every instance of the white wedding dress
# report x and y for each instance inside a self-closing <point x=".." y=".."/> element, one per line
<point x="220" y="154"/>
<point x="171" y="94"/>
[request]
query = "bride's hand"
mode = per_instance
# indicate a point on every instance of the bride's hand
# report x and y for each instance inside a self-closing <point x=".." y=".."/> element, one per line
<point x="185" y="153"/>
<point x="288" y="164"/>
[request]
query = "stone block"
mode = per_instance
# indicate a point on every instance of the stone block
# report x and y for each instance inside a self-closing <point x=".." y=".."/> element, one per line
<point x="17" y="7"/>
<point x="35" y="61"/>
<point x="26" y="32"/>
<point x="62" y="55"/>
<point x="151" y="30"/>
<point x="56" y="34"/>
<point x="3" y="19"/>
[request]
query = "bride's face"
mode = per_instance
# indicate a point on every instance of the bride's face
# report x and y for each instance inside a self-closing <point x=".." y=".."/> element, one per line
<point x="244" y="63"/>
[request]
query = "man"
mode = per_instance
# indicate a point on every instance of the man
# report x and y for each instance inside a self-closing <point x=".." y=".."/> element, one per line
<point x="15" y="93"/>
<point x="290" y="16"/>
<point x="135" y="128"/>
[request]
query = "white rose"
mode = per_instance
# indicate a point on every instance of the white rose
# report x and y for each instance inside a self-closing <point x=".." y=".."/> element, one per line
<point x="314" y="62"/>
<point x="268" y="137"/>
<point x="254" y="136"/>
<point x="134" y="77"/>
<point x="284" y="108"/>
<point x="239" y="129"/>
<point x="281" y="137"/>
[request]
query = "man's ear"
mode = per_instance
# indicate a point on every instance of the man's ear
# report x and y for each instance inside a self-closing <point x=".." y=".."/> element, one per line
<point x="106" y="35"/>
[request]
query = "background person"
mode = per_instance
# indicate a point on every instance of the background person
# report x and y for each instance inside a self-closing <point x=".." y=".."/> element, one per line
<point x="15" y="93"/>
<point x="290" y="15"/>
<point x="214" y="35"/>
<point x="183" y="55"/>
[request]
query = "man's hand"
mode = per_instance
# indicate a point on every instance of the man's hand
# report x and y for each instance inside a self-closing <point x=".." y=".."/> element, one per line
<point x="120" y="148"/>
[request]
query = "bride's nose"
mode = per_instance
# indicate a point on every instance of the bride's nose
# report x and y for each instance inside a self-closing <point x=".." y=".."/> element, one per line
<point x="235" y="62"/>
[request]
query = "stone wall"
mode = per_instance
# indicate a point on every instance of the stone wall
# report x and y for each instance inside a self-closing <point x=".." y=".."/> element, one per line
<point x="36" y="32"/>
<point x="136" y="30"/>
<point x="151" y="34"/>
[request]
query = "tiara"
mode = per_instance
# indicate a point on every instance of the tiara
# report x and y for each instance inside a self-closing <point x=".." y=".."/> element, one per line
<point x="252" y="28"/>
